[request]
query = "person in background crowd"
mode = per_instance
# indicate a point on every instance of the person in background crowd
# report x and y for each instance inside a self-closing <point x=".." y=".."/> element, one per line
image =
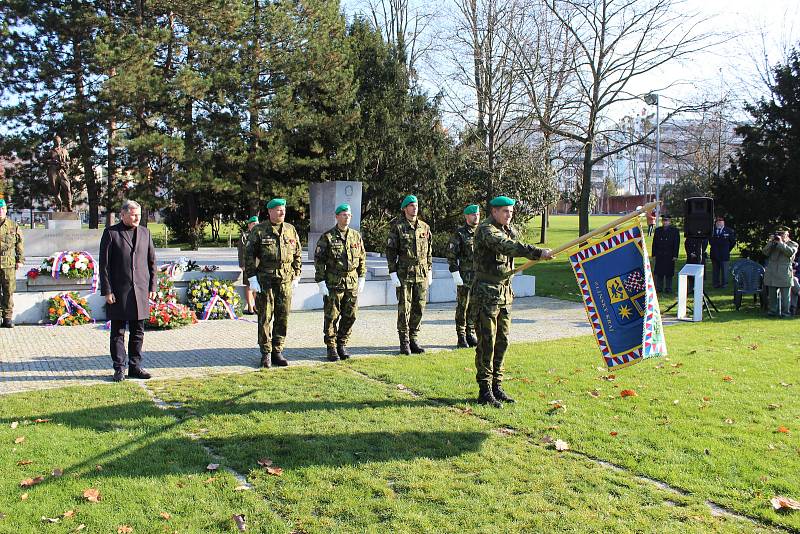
<point x="722" y="241"/>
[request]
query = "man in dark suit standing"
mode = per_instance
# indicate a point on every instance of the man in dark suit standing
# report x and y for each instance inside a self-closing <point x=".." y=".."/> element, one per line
<point x="722" y="242"/>
<point x="128" y="280"/>
<point x="666" y="245"/>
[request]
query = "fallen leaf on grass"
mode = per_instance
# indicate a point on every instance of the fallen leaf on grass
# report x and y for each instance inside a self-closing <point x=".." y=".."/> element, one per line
<point x="92" y="495"/>
<point x="41" y="420"/>
<point x="79" y="528"/>
<point x="57" y="472"/>
<point x="23" y="497"/>
<point x="613" y="433"/>
<point x="784" y="384"/>
<point x="401" y="387"/>
<point x="546" y="440"/>
<point x="25" y="462"/>
<point x="784" y="503"/>
<point x="240" y="522"/>
<point x="729" y="421"/>
<point x="561" y="445"/>
<point x="754" y="346"/>
<point x="505" y="431"/>
<point x="30" y="482"/>
<point x="98" y="467"/>
<point x="727" y="378"/>
<point x="209" y="480"/>
<point x="124" y="529"/>
<point x="50" y="519"/>
<point x="165" y="516"/>
<point x="14" y="424"/>
<point x="706" y="399"/>
<point x="627" y="393"/>
<point x="19" y="440"/>
<point x="783" y="430"/>
<point x="676" y="401"/>
<point x="264" y="462"/>
<point x="68" y="514"/>
<point x="212" y="467"/>
<point x="774" y="406"/>
<point x="594" y="393"/>
<point x="608" y="377"/>
<point x="243" y="487"/>
<point x="277" y="471"/>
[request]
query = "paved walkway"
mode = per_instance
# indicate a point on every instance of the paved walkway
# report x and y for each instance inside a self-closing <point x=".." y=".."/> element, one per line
<point x="38" y="357"/>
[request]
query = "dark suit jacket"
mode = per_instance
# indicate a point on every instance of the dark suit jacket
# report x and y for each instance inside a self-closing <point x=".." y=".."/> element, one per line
<point x="666" y="245"/>
<point x="722" y="243"/>
<point x="130" y="274"/>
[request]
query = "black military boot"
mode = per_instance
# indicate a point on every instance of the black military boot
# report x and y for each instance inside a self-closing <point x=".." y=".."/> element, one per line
<point x="342" y="351"/>
<point x="415" y="348"/>
<point x="404" y="347"/>
<point x="501" y="395"/>
<point x="8" y="323"/>
<point x="333" y="356"/>
<point x="485" y="397"/>
<point x="266" y="361"/>
<point x="278" y="359"/>
<point x="472" y="341"/>
<point x="462" y="341"/>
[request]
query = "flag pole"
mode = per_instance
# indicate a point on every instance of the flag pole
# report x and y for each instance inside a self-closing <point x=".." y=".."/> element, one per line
<point x="585" y="237"/>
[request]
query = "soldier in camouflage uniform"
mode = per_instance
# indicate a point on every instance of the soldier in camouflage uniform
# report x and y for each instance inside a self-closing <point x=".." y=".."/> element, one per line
<point x="272" y="265"/>
<point x="11" y="259"/>
<point x="340" y="264"/>
<point x="459" y="257"/>
<point x="496" y="245"/>
<point x="409" y="254"/>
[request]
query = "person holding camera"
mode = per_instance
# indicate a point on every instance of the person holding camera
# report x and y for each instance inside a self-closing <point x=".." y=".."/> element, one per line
<point x="780" y="252"/>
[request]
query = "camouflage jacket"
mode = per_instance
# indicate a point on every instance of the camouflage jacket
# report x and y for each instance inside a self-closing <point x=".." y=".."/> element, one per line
<point x="11" y="250"/>
<point x="496" y="247"/>
<point x="460" y="250"/>
<point x="273" y="252"/>
<point x="340" y="261"/>
<point x="409" y="251"/>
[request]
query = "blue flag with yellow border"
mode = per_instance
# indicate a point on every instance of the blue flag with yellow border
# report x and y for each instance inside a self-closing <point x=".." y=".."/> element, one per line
<point x="616" y="284"/>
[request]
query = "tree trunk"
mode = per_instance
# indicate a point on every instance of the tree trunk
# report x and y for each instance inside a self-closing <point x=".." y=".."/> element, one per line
<point x="586" y="189"/>
<point x="545" y="224"/>
<point x="251" y="168"/>
<point x="83" y="131"/>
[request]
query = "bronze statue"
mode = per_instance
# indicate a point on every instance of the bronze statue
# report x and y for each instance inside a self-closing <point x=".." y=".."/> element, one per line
<point x="58" y="172"/>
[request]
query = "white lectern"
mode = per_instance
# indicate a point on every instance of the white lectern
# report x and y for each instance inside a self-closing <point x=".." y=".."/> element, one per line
<point x="696" y="271"/>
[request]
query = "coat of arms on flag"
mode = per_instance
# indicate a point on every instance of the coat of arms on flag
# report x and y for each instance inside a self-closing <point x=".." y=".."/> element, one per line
<point x="616" y="283"/>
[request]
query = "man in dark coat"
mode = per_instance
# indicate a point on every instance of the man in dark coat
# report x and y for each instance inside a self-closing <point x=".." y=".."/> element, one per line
<point x="695" y="248"/>
<point x="128" y="280"/>
<point x="722" y="242"/>
<point x="666" y="244"/>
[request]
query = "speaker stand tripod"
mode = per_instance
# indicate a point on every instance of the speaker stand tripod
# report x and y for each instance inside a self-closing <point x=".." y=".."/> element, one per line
<point x="707" y="305"/>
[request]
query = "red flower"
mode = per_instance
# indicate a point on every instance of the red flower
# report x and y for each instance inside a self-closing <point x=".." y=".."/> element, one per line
<point x="33" y="273"/>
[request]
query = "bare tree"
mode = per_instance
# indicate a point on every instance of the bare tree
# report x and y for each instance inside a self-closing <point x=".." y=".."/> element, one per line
<point x="483" y="89"/>
<point x="619" y="42"/>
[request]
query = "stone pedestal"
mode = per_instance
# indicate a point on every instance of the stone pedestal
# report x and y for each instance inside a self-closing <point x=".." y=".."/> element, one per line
<point x="325" y="196"/>
<point x="63" y="220"/>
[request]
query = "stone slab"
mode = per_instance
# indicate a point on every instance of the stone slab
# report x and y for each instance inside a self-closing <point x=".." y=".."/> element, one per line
<point x="43" y="242"/>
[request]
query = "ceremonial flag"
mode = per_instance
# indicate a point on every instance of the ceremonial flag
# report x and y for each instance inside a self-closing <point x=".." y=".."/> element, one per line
<point x="613" y="273"/>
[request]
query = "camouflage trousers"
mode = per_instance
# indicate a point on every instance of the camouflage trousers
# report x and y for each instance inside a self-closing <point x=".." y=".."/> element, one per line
<point x="272" y="305"/>
<point x="411" y="298"/>
<point x="465" y="311"/>
<point x="8" y="284"/>
<point x="341" y="307"/>
<point x="493" y="324"/>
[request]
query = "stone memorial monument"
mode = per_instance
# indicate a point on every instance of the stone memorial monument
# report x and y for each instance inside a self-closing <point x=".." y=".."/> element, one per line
<point x="325" y="196"/>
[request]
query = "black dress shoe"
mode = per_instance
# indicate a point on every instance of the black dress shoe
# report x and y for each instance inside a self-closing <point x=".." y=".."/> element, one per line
<point x="279" y="360"/>
<point x="138" y="372"/>
<point x="415" y="349"/>
<point x="119" y="375"/>
<point x="341" y="350"/>
<point x="472" y="341"/>
<point x="8" y="323"/>
<point x="333" y="356"/>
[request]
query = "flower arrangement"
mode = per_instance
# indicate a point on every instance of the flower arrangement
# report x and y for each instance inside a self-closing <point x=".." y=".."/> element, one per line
<point x="214" y="299"/>
<point x="165" y="312"/>
<point x="68" y="263"/>
<point x="32" y="274"/>
<point x="68" y="309"/>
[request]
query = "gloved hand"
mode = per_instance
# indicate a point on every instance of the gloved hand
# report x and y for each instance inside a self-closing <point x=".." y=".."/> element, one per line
<point x="430" y="277"/>
<point x="254" y="285"/>
<point x="361" y="283"/>
<point x="457" y="278"/>
<point x="295" y="282"/>
<point x="323" y="288"/>
<point x="395" y="280"/>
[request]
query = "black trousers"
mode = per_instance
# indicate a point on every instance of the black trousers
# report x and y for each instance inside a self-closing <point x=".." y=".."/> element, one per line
<point x="135" y="339"/>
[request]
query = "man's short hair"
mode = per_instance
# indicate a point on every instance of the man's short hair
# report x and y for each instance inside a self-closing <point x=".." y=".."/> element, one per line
<point x="128" y="204"/>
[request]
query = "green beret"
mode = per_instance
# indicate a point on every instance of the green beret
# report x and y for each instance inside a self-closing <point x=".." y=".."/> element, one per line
<point x="2" y="203"/>
<point x="342" y="207"/>
<point x="254" y="219"/>
<point x="275" y="202"/>
<point x="408" y="200"/>
<point x="472" y="208"/>
<point x="501" y="201"/>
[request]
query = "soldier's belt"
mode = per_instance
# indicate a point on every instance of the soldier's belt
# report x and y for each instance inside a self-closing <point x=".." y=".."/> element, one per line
<point x="491" y="278"/>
